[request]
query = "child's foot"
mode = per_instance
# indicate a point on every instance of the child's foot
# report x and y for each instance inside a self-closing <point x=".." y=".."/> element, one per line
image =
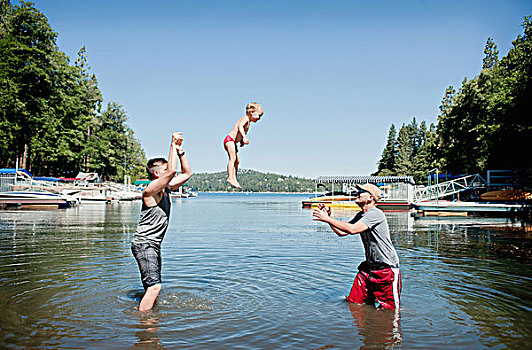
<point x="234" y="183"/>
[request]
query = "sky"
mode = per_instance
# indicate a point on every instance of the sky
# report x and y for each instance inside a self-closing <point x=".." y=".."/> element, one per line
<point x="332" y="75"/>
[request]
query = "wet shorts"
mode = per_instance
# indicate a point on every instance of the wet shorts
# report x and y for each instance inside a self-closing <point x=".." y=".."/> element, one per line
<point x="229" y="138"/>
<point x="148" y="257"/>
<point x="383" y="285"/>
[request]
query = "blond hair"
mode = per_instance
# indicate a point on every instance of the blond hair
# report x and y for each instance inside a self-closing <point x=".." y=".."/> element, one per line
<point x="254" y="107"/>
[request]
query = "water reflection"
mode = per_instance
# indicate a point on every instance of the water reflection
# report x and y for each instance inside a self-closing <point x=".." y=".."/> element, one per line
<point x="148" y="333"/>
<point x="377" y="328"/>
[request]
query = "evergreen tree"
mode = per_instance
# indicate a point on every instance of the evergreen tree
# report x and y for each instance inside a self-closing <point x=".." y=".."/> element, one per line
<point x="491" y="57"/>
<point x="424" y="159"/>
<point x="135" y="158"/>
<point x="27" y="45"/>
<point x="404" y="151"/>
<point x="92" y="100"/>
<point x="114" y="150"/>
<point x="386" y="165"/>
<point x="49" y="110"/>
<point x="109" y="141"/>
<point x="415" y="139"/>
<point x="511" y="105"/>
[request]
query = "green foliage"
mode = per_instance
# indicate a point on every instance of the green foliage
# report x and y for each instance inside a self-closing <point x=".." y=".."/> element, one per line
<point x="386" y="164"/>
<point x="50" y="111"/>
<point x="486" y="125"/>
<point x="492" y="55"/>
<point x="114" y="152"/>
<point x="252" y="181"/>
<point x="411" y="153"/>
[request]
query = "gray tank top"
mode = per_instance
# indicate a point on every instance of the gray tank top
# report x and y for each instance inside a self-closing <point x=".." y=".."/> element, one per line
<point x="154" y="221"/>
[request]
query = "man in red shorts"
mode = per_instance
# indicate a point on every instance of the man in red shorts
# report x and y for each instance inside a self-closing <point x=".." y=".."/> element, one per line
<point x="378" y="278"/>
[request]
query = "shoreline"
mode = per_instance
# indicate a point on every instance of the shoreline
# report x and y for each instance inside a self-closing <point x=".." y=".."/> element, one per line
<point x="244" y="192"/>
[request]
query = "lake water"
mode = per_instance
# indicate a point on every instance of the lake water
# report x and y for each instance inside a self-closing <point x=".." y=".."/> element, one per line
<point x="255" y="272"/>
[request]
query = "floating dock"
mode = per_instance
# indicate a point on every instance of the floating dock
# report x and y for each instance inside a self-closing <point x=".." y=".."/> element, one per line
<point x="465" y="208"/>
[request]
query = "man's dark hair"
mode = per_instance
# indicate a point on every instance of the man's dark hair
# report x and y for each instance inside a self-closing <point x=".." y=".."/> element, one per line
<point x="153" y="164"/>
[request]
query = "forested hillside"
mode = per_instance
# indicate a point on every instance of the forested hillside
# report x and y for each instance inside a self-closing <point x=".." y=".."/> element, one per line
<point x="252" y="181"/>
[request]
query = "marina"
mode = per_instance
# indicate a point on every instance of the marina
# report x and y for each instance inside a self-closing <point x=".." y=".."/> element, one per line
<point x="399" y="193"/>
<point x="19" y="189"/>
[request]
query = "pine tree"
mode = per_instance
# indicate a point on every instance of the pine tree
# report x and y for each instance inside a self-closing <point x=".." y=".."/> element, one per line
<point x="424" y="159"/>
<point x="386" y="165"/>
<point x="491" y="59"/>
<point x="404" y="151"/>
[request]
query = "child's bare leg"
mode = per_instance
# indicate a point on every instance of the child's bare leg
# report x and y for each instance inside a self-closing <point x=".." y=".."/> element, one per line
<point x="237" y="162"/>
<point x="230" y="147"/>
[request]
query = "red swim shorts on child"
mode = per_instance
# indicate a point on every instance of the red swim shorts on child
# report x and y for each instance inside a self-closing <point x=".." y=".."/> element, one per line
<point x="382" y="285"/>
<point x="228" y="138"/>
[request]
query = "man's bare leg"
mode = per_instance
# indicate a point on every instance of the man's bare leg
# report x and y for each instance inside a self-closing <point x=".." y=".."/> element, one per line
<point x="149" y="297"/>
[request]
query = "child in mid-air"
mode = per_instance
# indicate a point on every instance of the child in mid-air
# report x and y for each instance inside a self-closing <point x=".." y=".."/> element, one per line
<point x="238" y="133"/>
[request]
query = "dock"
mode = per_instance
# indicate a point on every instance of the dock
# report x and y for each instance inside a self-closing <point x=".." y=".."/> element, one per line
<point x="450" y="208"/>
<point x="397" y="192"/>
<point x="400" y="193"/>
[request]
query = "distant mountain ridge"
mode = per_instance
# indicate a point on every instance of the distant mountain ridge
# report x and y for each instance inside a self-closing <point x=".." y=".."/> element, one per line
<point x="252" y="181"/>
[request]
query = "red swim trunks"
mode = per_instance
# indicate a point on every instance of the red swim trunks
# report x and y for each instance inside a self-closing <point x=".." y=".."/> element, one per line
<point x="229" y="138"/>
<point x="383" y="285"/>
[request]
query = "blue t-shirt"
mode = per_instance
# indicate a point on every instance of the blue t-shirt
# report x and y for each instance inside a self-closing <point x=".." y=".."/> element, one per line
<point x="377" y="242"/>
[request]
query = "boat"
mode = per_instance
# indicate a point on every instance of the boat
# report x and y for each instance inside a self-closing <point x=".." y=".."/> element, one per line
<point x="183" y="194"/>
<point x="347" y="201"/>
<point x="36" y="199"/>
<point x="464" y="208"/>
<point x="92" y="195"/>
<point x="333" y="199"/>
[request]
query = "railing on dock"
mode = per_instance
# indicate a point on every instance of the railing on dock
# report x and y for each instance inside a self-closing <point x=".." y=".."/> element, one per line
<point x="7" y="181"/>
<point x="447" y="188"/>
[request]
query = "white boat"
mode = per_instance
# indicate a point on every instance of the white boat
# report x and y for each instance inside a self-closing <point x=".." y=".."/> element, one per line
<point x="183" y="194"/>
<point x="104" y="194"/>
<point x="34" y="198"/>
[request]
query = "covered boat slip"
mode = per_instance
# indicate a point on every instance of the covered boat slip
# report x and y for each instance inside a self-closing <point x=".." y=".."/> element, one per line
<point x="397" y="191"/>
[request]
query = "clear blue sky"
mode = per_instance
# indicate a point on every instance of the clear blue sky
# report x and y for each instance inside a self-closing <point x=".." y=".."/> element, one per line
<point x="332" y="75"/>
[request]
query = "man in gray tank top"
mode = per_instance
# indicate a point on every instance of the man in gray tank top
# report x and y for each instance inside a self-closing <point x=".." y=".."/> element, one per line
<point x="378" y="277"/>
<point x="154" y="217"/>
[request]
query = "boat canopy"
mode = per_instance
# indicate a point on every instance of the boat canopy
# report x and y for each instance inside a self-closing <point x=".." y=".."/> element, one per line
<point x="46" y="178"/>
<point x="141" y="182"/>
<point x="365" y="179"/>
<point x="13" y="171"/>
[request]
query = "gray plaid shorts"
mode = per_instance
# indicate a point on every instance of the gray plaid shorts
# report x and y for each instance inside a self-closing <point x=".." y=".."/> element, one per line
<point x="148" y="257"/>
